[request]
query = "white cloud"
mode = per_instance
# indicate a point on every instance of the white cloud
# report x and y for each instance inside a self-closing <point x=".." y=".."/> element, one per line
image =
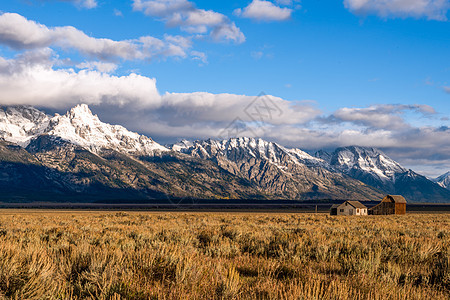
<point x="431" y="9"/>
<point x="98" y="65"/>
<point x="19" y="33"/>
<point x="264" y="11"/>
<point x="88" y="4"/>
<point x="380" y="116"/>
<point x="184" y="14"/>
<point x="36" y="78"/>
<point x="118" y="13"/>
<point x="197" y="55"/>
<point x="31" y="79"/>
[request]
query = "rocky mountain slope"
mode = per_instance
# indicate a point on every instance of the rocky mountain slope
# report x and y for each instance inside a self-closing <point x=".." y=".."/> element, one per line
<point x="376" y="169"/>
<point x="443" y="180"/>
<point x="76" y="157"/>
<point x="287" y="173"/>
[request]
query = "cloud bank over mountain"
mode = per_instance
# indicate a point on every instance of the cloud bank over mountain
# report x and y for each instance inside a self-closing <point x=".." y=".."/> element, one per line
<point x="57" y="67"/>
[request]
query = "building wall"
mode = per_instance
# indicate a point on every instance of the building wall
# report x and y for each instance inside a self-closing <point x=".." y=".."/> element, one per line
<point x="363" y="212"/>
<point x="348" y="210"/>
<point x="400" y="208"/>
<point x="384" y="208"/>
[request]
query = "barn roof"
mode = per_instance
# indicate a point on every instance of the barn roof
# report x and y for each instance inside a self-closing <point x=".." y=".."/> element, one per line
<point x="356" y="204"/>
<point x="396" y="198"/>
<point x="335" y="205"/>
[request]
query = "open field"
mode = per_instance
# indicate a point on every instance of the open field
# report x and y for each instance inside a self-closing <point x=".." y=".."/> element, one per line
<point x="141" y="255"/>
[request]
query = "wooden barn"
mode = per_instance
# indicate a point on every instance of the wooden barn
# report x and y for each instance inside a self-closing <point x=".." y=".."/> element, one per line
<point x="390" y="205"/>
<point x="349" y="208"/>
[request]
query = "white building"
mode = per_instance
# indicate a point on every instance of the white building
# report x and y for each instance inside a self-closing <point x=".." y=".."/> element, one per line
<point x="349" y="208"/>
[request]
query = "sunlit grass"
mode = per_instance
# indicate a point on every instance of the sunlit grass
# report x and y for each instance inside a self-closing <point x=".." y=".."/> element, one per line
<point x="138" y="255"/>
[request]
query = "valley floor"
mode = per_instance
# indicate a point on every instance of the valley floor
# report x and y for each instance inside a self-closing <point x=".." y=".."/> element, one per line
<point x="155" y="255"/>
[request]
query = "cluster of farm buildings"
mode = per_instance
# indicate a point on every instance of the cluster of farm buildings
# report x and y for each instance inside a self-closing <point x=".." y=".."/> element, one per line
<point x="390" y="205"/>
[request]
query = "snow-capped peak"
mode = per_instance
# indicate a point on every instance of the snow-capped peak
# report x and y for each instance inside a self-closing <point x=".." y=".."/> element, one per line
<point x="243" y="148"/>
<point x="443" y="180"/>
<point x="18" y="124"/>
<point x="82" y="112"/>
<point x="368" y="160"/>
<point x="180" y="146"/>
<point x="85" y="129"/>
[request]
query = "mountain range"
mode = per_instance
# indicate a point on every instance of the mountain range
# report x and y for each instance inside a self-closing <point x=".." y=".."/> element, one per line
<point x="77" y="157"/>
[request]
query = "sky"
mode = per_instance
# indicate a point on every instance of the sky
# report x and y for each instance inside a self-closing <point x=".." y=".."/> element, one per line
<point x="307" y="74"/>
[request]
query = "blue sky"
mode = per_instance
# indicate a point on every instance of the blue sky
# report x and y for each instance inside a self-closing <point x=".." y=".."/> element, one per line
<point x="336" y="68"/>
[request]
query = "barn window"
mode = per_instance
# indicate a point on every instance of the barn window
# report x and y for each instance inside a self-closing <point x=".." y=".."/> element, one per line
<point x="357" y="210"/>
<point x="341" y="210"/>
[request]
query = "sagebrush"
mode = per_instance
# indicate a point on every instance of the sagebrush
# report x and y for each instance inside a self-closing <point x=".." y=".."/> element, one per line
<point x="140" y="255"/>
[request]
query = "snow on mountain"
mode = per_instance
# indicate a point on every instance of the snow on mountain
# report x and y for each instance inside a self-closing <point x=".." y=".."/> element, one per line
<point x="376" y="169"/>
<point x="444" y="180"/>
<point x="19" y="124"/>
<point x="181" y="146"/>
<point x="78" y="126"/>
<point x="324" y="155"/>
<point x="82" y="128"/>
<point x="246" y="148"/>
<point x="368" y="160"/>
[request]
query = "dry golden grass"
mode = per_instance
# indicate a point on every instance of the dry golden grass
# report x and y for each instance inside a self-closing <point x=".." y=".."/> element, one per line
<point x="138" y="255"/>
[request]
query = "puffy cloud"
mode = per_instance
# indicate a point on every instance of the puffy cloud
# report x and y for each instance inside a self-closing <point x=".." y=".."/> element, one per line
<point x="32" y="79"/>
<point x="379" y="116"/>
<point x="197" y="55"/>
<point x="265" y="11"/>
<point x="184" y="14"/>
<point x="19" y="33"/>
<point x="37" y="78"/>
<point x="431" y="9"/>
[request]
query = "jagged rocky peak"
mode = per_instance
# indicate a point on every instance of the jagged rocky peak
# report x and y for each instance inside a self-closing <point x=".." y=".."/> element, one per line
<point x="443" y="180"/>
<point x="366" y="159"/>
<point x="80" y="126"/>
<point x="82" y="112"/>
<point x="245" y="148"/>
<point x="181" y="145"/>
<point x="18" y="124"/>
<point x="21" y="124"/>
<point x="242" y="147"/>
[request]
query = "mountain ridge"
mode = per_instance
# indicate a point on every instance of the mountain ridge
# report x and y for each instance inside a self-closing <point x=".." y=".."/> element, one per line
<point x="373" y="167"/>
<point x="85" y="156"/>
<point x="443" y="180"/>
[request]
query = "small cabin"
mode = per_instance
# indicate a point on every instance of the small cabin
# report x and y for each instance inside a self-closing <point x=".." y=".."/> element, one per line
<point x="390" y="205"/>
<point x="349" y="208"/>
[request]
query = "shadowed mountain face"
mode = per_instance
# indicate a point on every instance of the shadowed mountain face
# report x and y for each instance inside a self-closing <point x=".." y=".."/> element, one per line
<point x="287" y="173"/>
<point x="444" y="180"/>
<point x="76" y="157"/>
<point x="375" y="168"/>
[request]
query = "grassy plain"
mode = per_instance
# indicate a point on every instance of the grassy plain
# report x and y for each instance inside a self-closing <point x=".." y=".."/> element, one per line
<point x="141" y="255"/>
